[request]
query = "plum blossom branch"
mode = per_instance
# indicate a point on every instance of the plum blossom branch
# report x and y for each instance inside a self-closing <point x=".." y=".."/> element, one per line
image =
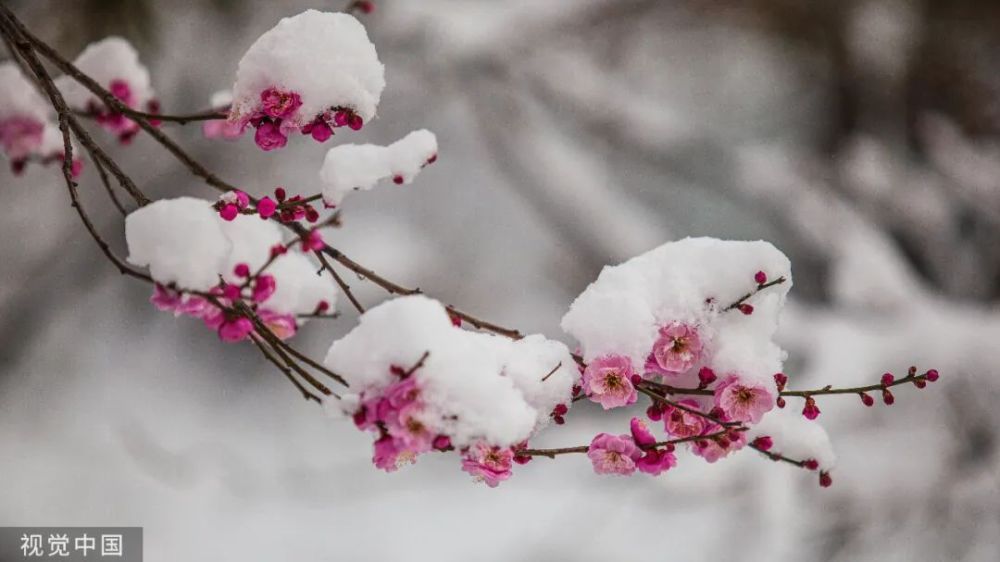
<point x="397" y="411"/>
<point x="761" y="285"/>
<point x="66" y="122"/>
<point x="281" y="366"/>
<point x="663" y="400"/>
<point x="211" y="179"/>
<point x="552" y="453"/>
<point x="340" y="282"/>
<point x="208" y="115"/>
<point x="887" y="382"/>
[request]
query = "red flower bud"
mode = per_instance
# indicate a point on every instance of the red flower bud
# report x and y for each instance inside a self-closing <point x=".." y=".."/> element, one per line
<point x="825" y="480"/>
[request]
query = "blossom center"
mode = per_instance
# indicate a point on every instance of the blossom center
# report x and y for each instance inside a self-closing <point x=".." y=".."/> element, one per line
<point x="744" y="395"/>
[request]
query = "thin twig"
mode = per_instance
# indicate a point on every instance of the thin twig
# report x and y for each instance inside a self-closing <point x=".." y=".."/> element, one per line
<point x="107" y="184"/>
<point x="641" y="388"/>
<point x="207" y="115"/>
<point x="826" y="390"/>
<point x="758" y="289"/>
<point x="552" y="372"/>
<point x="269" y="355"/>
<point x="778" y="457"/>
<point x="340" y="282"/>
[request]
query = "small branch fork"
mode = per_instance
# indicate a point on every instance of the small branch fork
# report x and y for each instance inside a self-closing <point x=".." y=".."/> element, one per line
<point x="760" y="287"/>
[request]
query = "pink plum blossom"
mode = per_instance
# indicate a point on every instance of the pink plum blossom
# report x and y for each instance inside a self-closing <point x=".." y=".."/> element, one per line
<point x="410" y="432"/>
<point x="656" y="461"/>
<point x="489" y="464"/>
<point x="681" y="424"/>
<point x="388" y="457"/>
<point x="164" y="299"/>
<point x="222" y="129"/>
<point x="640" y="433"/>
<point x="313" y="241"/>
<point x="613" y="454"/>
<point x="20" y="136"/>
<point x="714" y="449"/>
<point x="742" y="400"/>
<point x="811" y="410"/>
<point x="263" y="287"/>
<point x="279" y="104"/>
<point x="269" y="136"/>
<point x="235" y="329"/>
<point x="121" y="90"/>
<point x="676" y="350"/>
<point x="319" y="129"/>
<point x="266" y="207"/>
<point x="608" y="381"/>
<point x="281" y="325"/>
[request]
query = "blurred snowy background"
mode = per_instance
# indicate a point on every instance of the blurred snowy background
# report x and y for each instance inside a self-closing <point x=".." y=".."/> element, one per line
<point x="859" y="136"/>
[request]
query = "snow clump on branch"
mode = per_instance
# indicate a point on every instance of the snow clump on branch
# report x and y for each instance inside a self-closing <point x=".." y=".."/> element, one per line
<point x="196" y="257"/>
<point x="350" y="167"/>
<point x="27" y="131"/>
<point x="114" y="64"/>
<point x="421" y="383"/>
<point x="311" y="73"/>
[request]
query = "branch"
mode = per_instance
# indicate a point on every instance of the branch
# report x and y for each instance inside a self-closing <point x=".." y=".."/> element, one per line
<point x="66" y="122"/>
<point x="912" y="377"/>
<point x="642" y="388"/>
<point x="211" y="179"/>
<point x="207" y="115"/>
<point x="758" y="289"/>
<point x="269" y="355"/>
<point x="552" y="453"/>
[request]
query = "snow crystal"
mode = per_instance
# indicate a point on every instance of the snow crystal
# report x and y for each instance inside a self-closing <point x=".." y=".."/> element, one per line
<point x="326" y="58"/>
<point x="360" y="166"/>
<point x="476" y="386"/>
<point x="690" y="281"/>
<point x="796" y="437"/>
<point x="106" y="61"/>
<point x="181" y="240"/>
<point x="300" y="286"/>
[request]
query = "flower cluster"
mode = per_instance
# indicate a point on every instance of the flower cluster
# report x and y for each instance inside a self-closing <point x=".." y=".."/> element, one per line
<point x="277" y="117"/>
<point x="216" y="308"/>
<point x="657" y="319"/>
<point x="312" y="73"/>
<point x="27" y="132"/>
<point x="114" y="64"/>
<point x="205" y="263"/>
<point x="422" y="384"/>
<point x="623" y="454"/>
